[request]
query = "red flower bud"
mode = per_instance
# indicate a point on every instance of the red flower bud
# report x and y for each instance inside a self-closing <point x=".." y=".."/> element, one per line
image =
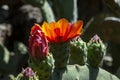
<point x="38" y="44"/>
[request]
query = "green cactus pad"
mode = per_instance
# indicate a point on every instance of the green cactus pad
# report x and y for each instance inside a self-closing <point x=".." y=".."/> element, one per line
<point x="76" y="72"/>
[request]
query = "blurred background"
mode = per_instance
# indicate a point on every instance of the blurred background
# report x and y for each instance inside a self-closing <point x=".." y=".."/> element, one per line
<point x="101" y="17"/>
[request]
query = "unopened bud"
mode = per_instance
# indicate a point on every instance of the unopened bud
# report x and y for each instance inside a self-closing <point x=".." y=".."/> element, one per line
<point x="96" y="51"/>
<point x="28" y="72"/>
<point x="78" y="50"/>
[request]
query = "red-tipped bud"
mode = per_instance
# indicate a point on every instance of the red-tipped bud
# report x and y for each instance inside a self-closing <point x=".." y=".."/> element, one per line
<point x="38" y="44"/>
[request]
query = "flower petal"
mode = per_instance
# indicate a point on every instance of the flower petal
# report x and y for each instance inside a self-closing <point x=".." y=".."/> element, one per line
<point x="48" y="30"/>
<point x="53" y="26"/>
<point x="76" y="29"/>
<point x="62" y="24"/>
<point x="35" y="28"/>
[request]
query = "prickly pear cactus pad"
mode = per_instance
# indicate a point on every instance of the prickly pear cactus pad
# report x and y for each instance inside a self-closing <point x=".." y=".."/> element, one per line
<point x="45" y="7"/>
<point x="86" y="72"/>
<point x="71" y="72"/>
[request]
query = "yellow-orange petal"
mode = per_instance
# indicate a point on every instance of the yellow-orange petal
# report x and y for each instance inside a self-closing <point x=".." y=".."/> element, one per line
<point x="76" y="29"/>
<point x="62" y="30"/>
<point x="48" y="29"/>
<point x="62" y="24"/>
<point x="45" y="29"/>
<point x="52" y="28"/>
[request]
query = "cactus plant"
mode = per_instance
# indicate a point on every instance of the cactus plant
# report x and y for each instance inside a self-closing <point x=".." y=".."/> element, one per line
<point x="42" y="61"/>
<point x="59" y="41"/>
<point x="59" y="34"/>
<point x="66" y="9"/>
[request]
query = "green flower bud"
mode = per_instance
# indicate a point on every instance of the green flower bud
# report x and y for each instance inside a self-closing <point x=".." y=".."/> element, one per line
<point x="78" y="50"/>
<point x="26" y="74"/>
<point x="43" y="68"/>
<point x="96" y="51"/>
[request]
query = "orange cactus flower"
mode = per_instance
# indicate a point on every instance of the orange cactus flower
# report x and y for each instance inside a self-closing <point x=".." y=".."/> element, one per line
<point x="62" y="30"/>
<point x="38" y="44"/>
